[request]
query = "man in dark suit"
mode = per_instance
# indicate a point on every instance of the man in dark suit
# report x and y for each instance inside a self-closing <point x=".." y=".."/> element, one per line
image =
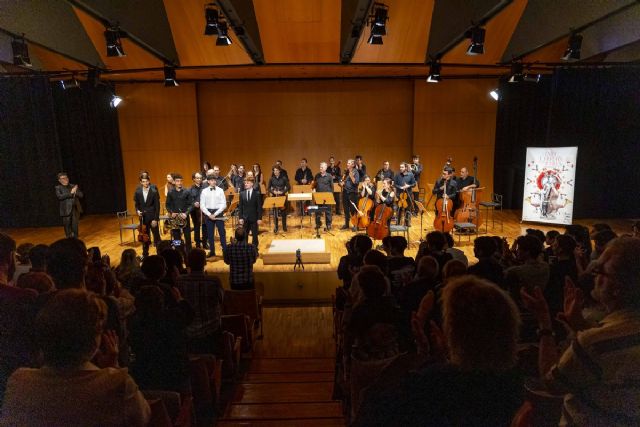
<point x="250" y="210"/>
<point x="180" y="203"/>
<point x="147" y="201"/>
<point x="70" y="209"/>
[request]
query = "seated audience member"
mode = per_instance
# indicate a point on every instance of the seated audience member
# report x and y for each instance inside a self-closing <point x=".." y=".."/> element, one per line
<point x="240" y="256"/>
<point x="425" y="281"/>
<point x="550" y="237"/>
<point x="374" y="258"/>
<point x="531" y="271"/>
<point x="600" y="240"/>
<point x="401" y="268"/>
<point x="583" y="249"/>
<point x="16" y="316"/>
<point x="377" y="258"/>
<point x="24" y="264"/>
<point x="349" y="264"/>
<point x="599" y="370"/>
<point x="452" y="269"/>
<point x="159" y="342"/>
<point x="564" y="265"/>
<point x="487" y="267"/>
<point x="164" y="245"/>
<point x="454" y="252"/>
<point x="470" y="376"/>
<point x="434" y="246"/>
<point x="38" y="258"/>
<point x="128" y="271"/>
<point x="69" y="390"/>
<point x="204" y="293"/>
<point x="38" y="281"/>
<point x="175" y="266"/>
<point x="539" y="234"/>
<point x="154" y="268"/>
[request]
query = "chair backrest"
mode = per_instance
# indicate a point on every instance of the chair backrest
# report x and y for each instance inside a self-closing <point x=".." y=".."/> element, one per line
<point x="123" y="217"/>
<point x="241" y="302"/>
<point x="497" y="198"/>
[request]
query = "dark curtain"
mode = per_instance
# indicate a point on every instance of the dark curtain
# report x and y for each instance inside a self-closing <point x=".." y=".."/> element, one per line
<point x="29" y="153"/>
<point x="90" y="145"/>
<point x="44" y="130"/>
<point x="596" y="110"/>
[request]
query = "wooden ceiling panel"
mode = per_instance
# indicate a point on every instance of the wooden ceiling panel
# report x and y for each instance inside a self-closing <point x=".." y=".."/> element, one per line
<point x="52" y="61"/>
<point x="498" y="33"/>
<point x="296" y="31"/>
<point x="194" y="48"/>
<point x="407" y="34"/>
<point x="136" y="57"/>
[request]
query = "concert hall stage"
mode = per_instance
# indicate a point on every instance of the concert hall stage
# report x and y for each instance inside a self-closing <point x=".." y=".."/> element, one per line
<point x="279" y="283"/>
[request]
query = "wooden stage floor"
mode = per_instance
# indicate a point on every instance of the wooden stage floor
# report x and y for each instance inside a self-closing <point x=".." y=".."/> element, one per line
<point x="102" y="231"/>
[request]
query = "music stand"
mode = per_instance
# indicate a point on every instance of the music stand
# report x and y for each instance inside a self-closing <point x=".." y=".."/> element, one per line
<point x="232" y="208"/>
<point x="421" y="211"/>
<point x="300" y="194"/>
<point x="275" y="202"/>
<point x="322" y="200"/>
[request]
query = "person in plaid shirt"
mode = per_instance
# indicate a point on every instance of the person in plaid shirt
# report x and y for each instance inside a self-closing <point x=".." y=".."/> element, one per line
<point x="241" y="256"/>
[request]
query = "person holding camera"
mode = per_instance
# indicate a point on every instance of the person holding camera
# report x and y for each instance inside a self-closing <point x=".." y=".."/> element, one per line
<point x="240" y="256"/>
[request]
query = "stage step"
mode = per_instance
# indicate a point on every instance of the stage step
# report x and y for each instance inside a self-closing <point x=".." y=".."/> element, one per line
<point x="292" y="365"/>
<point x="283" y="411"/>
<point x="306" y="422"/>
<point x="291" y="377"/>
<point x="280" y="393"/>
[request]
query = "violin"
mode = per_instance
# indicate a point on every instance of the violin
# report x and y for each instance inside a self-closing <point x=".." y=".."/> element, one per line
<point x="143" y="232"/>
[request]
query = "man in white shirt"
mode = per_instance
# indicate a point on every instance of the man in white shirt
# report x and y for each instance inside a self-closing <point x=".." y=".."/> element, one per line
<point x="212" y="203"/>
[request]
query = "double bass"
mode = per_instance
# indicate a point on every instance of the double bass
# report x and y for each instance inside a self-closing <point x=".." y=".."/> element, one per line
<point x="444" y="221"/>
<point x="470" y="206"/>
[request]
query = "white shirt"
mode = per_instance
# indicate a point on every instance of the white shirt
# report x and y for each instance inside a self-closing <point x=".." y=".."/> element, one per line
<point x="212" y="200"/>
<point x="145" y="192"/>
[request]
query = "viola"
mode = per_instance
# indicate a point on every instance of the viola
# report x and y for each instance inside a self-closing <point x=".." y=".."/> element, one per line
<point x="143" y="232"/>
<point x="379" y="228"/>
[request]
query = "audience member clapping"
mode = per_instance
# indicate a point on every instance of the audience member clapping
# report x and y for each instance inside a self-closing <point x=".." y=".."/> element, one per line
<point x="434" y="246"/>
<point x="128" y="271"/>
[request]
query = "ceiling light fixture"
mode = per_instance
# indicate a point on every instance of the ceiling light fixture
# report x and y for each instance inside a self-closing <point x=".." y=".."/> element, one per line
<point x="211" y="18"/>
<point x="516" y="72"/>
<point x="70" y="84"/>
<point x="573" y="47"/>
<point x="476" y="34"/>
<point x="115" y="101"/>
<point x="378" y="23"/>
<point x="223" y="34"/>
<point x="114" y="44"/>
<point x="434" y="72"/>
<point x="495" y="94"/>
<point x="170" y="76"/>
<point x="20" y="52"/>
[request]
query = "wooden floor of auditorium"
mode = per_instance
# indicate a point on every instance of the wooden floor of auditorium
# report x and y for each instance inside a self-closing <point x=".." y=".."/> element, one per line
<point x="103" y="231"/>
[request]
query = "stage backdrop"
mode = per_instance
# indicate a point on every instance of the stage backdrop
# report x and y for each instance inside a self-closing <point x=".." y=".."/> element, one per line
<point x="549" y="182"/>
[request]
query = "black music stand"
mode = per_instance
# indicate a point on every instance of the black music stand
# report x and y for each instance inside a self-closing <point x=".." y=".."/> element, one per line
<point x="324" y="201"/>
<point x="276" y="203"/>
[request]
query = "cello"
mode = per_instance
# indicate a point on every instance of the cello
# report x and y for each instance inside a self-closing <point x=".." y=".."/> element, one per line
<point x="443" y="220"/>
<point x="470" y="209"/>
<point x="363" y="209"/>
<point x="379" y="228"/>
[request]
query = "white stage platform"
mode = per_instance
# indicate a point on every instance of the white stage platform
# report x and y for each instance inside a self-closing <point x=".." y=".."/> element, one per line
<point x="284" y="252"/>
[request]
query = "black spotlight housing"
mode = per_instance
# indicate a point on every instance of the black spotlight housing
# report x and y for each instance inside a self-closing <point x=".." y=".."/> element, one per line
<point x="434" y="72"/>
<point x="114" y="44"/>
<point x="573" y="48"/>
<point x="211" y="17"/>
<point x="476" y="47"/>
<point x="20" y="52"/>
<point x="517" y="72"/>
<point x="223" y="34"/>
<point x="170" y="76"/>
<point x="378" y="23"/>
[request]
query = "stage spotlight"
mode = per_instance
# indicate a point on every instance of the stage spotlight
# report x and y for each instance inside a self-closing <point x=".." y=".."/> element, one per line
<point x="476" y="34"/>
<point x="573" y="47"/>
<point x="114" y="44"/>
<point x="378" y="23"/>
<point x="434" y="72"/>
<point x="223" y="35"/>
<point x="70" y="84"/>
<point x="115" y="101"/>
<point x="516" y="72"/>
<point x="533" y="78"/>
<point x="495" y="94"/>
<point x="211" y="17"/>
<point x="20" y="52"/>
<point x="170" y="77"/>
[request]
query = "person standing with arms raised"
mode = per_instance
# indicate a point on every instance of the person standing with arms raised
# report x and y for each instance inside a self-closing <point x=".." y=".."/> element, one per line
<point x="70" y="209"/>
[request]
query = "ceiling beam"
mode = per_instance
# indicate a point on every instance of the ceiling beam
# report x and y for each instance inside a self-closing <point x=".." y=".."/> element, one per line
<point x="354" y="20"/>
<point x="242" y="18"/>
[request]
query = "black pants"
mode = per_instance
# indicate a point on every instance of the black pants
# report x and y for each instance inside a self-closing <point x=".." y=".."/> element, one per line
<point x="327" y="216"/>
<point x="70" y="223"/>
<point x="349" y="210"/>
<point x="337" y="197"/>
<point x="198" y="226"/>
<point x="176" y="234"/>
<point x="211" y="226"/>
<point x="282" y="214"/>
<point x="155" y="231"/>
<point x="253" y="227"/>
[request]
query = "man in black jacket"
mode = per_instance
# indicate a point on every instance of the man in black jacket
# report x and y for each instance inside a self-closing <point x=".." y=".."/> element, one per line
<point x="70" y="209"/>
<point x="250" y="210"/>
<point x="196" y="214"/>
<point x="147" y="201"/>
<point x="179" y="203"/>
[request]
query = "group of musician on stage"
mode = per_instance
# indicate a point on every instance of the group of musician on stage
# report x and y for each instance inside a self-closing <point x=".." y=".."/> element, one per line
<point x="204" y="204"/>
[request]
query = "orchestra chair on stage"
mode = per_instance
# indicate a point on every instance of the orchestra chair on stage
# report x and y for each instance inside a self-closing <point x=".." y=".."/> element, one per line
<point x="400" y="229"/>
<point x="465" y="229"/>
<point x="246" y="302"/>
<point x="493" y="205"/>
<point x="126" y="221"/>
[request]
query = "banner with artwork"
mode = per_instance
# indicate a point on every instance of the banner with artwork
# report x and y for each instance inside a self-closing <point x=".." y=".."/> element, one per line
<point x="549" y="182"/>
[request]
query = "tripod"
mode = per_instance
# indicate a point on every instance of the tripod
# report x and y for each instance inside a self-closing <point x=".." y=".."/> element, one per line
<point x="298" y="260"/>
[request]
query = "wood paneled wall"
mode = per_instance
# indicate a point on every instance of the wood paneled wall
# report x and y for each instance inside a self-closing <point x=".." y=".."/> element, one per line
<point x="174" y="129"/>
<point x="455" y="118"/>
<point x="158" y="133"/>
<point x="247" y="122"/>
